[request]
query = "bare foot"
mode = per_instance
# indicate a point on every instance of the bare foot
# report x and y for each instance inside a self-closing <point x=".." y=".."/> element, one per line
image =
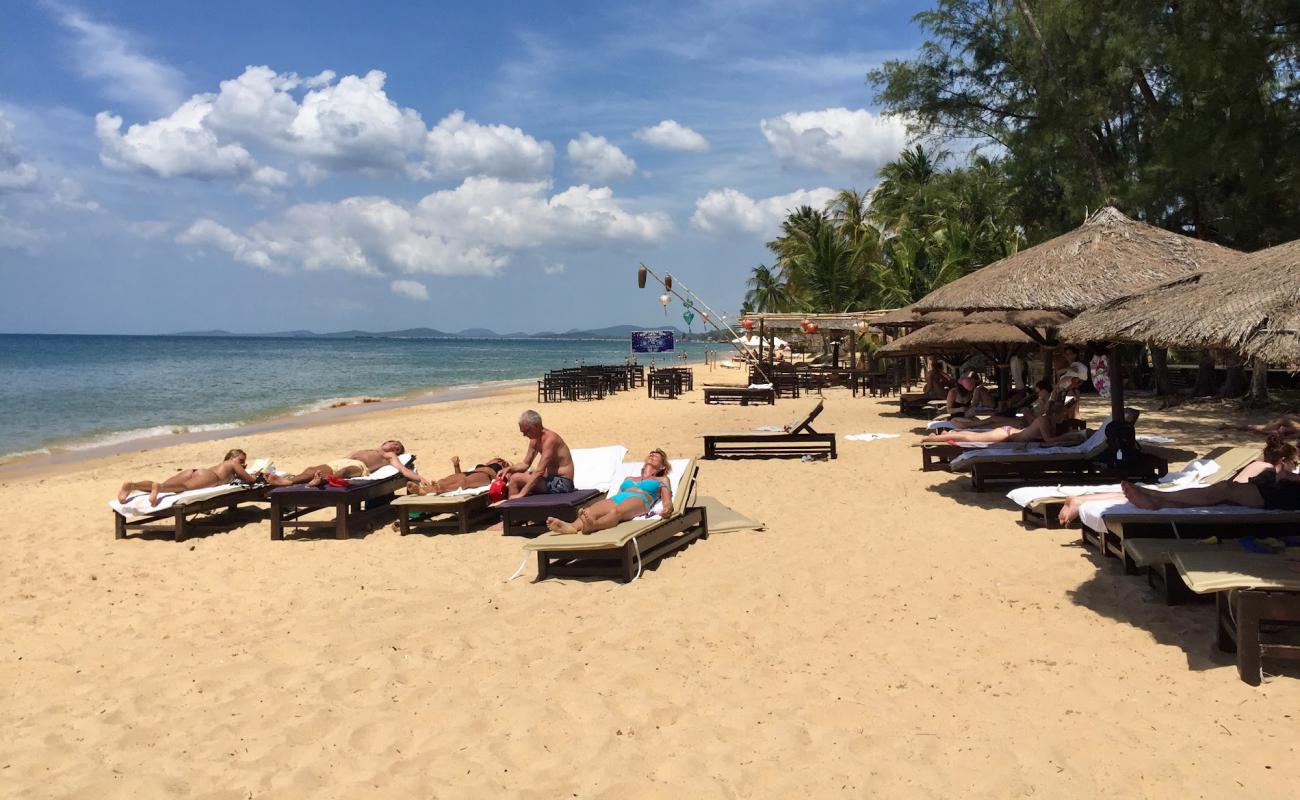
<point x="317" y="480"/>
<point x="1138" y="496"/>
<point x="153" y="494"/>
<point x="122" y="495"/>
<point x="588" y="526"/>
<point x="455" y="464"/>
<point x="1069" y="511"/>
<point x="557" y="525"/>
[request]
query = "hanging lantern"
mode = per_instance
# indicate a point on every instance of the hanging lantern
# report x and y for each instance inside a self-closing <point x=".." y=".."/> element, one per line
<point x="805" y="325"/>
<point x="640" y="277"/>
<point x="668" y="282"/>
<point x="812" y="327"/>
<point x="747" y="324"/>
<point x="664" y="300"/>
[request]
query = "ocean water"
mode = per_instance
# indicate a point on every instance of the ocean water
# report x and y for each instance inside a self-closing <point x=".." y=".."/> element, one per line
<point x="71" y="392"/>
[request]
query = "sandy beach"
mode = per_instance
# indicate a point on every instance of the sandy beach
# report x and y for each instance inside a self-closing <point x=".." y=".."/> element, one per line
<point x="890" y="634"/>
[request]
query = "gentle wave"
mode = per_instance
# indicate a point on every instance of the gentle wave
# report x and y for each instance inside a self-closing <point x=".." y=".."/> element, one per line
<point x="337" y="402"/>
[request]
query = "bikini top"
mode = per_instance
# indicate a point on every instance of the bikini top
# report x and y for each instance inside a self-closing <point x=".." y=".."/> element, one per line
<point x="641" y="486"/>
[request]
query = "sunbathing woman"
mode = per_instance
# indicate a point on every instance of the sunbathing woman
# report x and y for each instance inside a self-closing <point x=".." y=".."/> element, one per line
<point x="968" y="395"/>
<point x="1046" y="428"/>
<point x="1284" y="426"/>
<point x="1278" y="457"/>
<point x="232" y="466"/>
<point x="1030" y="411"/>
<point x="634" y="498"/>
<point x="481" y="475"/>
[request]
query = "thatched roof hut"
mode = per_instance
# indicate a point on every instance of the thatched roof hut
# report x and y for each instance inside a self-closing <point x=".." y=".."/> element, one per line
<point x="995" y="340"/>
<point x="1252" y="308"/>
<point x="1108" y="256"/>
<point x="909" y="317"/>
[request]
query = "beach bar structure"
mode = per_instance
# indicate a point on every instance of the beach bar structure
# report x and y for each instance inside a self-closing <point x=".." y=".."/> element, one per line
<point x="854" y="323"/>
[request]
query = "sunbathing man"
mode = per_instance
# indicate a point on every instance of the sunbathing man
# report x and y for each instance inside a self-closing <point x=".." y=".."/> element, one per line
<point x="1278" y="457"/>
<point x="232" y="466"/>
<point x="634" y="498"/>
<point x="554" y="472"/>
<point x="481" y="475"/>
<point x="1046" y="428"/>
<point x="357" y="465"/>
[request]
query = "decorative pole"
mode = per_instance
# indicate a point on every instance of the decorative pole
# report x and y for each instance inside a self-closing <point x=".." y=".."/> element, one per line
<point x="709" y="316"/>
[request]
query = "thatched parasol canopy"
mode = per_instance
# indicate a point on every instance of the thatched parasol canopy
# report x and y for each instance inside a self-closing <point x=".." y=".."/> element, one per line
<point x="1253" y="308"/>
<point x="1108" y="256"/>
<point x="909" y="317"/>
<point x="991" y="338"/>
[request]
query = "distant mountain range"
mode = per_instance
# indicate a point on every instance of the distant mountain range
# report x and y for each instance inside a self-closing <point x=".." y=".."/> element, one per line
<point x="612" y="332"/>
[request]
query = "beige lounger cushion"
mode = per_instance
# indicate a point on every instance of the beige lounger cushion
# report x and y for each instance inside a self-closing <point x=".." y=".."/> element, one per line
<point x="436" y="500"/>
<point x="724" y="520"/>
<point x="624" y="532"/>
<point x="1218" y="572"/>
<point x="1153" y="552"/>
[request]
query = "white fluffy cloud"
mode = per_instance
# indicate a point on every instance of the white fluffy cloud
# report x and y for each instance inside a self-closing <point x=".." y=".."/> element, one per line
<point x="412" y="289"/>
<point x="322" y="125"/>
<point x="15" y="173"/>
<point x="459" y="148"/>
<point x="727" y="210"/>
<point x="835" y="140"/>
<point x="671" y="135"/>
<point x="595" y="159"/>
<point x="470" y="230"/>
<point x="107" y="55"/>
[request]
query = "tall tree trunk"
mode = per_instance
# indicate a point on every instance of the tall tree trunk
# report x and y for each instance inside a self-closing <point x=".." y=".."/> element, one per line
<point x="1204" y="375"/>
<point x="1258" y="382"/>
<point x="1160" y="371"/>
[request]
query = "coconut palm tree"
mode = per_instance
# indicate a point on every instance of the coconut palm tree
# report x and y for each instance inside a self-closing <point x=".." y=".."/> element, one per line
<point x="767" y="291"/>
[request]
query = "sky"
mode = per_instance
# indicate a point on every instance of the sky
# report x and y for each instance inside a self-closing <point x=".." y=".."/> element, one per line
<point x="256" y="166"/>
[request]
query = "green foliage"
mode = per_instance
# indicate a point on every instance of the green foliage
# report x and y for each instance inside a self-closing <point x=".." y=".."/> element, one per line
<point x="1185" y="114"/>
<point x="921" y="227"/>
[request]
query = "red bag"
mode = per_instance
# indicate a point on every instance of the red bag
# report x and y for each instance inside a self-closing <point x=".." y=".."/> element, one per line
<point x="497" y="489"/>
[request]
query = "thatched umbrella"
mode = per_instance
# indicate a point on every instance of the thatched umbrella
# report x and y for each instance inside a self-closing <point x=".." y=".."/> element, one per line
<point x="996" y="341"/>
<point x="1252" y="308"/>
<point x="1107" y="257"/>
<point x="910" y="317"/>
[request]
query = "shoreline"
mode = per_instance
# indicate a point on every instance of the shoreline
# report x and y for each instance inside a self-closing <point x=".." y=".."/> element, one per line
<point x="37" y="463"/>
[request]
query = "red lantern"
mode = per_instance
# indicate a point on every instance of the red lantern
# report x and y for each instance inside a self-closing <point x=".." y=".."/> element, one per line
<point x="805" y="325"/>
<point x="812" y="327"/>
<point x="747" y="324"/>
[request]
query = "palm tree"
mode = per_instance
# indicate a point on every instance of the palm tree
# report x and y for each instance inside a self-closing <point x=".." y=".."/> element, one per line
<point x="767" y="291"/>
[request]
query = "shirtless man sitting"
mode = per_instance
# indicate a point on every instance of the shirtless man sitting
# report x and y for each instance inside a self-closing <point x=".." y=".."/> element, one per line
<point x="356" y="465"/>
<point x="232" y="466"/>
<point x="554" y="471"/>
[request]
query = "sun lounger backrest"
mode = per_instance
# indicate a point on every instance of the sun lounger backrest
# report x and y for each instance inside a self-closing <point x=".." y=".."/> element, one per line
<point x="595" y="467"/>
<point x="805" y="425"/>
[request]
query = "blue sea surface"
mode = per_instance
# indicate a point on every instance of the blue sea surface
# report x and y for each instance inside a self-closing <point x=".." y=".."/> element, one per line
<point x="81" y="391"/>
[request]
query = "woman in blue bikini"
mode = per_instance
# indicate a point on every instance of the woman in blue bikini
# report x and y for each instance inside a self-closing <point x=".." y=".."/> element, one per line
<point x="636" y="496"/>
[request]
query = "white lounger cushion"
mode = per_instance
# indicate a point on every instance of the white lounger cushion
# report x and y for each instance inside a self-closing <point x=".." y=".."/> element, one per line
<point x="1095" y="514"/>
<point x="1091" y="447"/>
<point x="386" y="471"/>
<point x="137" y="503"/>
<point x="596" y="467"/>
<point x="1194" y="474"/>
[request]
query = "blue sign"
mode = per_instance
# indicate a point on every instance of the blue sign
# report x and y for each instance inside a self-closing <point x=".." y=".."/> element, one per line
<point x="652" y="341"/>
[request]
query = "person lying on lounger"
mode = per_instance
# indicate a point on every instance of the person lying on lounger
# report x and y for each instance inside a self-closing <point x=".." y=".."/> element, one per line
<point x="554" y="471"/>
<point x="1278" y="457"/>
<point x="968" y="395"/>
<point x="1287" y="427"/>
<point x="232" y="466"/>
<point x="357" y="465"/>
<point x="1030" y="412"/>
<point x="635" y="497"/>
<point x="481" y="475"/>
<point x="1048" y="428"/>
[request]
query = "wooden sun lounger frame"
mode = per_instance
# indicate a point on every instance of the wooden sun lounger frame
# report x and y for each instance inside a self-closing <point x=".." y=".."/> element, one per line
<point x="179" y="524"/>
<point x="1238" y="629"/>
<point x="738" y="394"/>
<point x="473" y="510"/>
<point x="653" y="544"/>
<point x="358" y="506"/>
<point x="1111" y="541"/>
<point x="531" y="520"/>
<point x="802" y="439"/>
<point x="1144" y="467"/>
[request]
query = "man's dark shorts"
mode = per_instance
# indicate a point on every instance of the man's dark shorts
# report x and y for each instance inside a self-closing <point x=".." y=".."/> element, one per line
<point x="558" y="484"/>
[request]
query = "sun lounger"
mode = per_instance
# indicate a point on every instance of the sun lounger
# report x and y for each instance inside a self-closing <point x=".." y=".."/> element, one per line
<point x="797" y="439"/>
<point x="1089" y="462"/>
<point x="363" y="500"/>
<point x="1250" y="591"/>
<point x="1107" y="525"/>
<point x="175" y="513"/>
<point x="593" y="472"/>
<point x="461" y="508"/>
<point x="744" y="395"/>
<point x="1040" y="506"/>
<point x="623" y="550"/>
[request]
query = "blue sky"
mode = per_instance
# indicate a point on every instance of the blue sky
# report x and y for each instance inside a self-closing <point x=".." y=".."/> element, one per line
<point x="269" y="166"/>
